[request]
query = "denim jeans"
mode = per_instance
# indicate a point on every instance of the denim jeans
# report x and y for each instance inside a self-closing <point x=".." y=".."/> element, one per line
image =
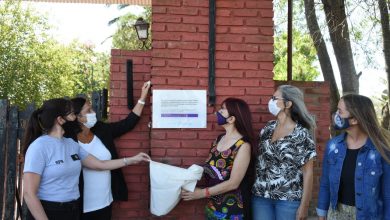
<point x="271" y="209"/>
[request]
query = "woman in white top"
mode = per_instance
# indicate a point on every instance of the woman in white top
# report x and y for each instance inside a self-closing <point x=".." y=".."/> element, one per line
<point x="53" y="164"/>
<point x="100" y="188"/>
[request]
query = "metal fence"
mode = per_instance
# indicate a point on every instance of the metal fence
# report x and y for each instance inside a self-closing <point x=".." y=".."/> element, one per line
<point x="12" y="127"/>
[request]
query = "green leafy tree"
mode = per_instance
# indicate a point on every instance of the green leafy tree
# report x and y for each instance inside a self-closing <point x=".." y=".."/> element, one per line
<point x="304" y="57"/>
<point x="89" y="70"/>
<point x="23" y="43"/>
<point x="125" y="36"/>
<point x="35" y="67"/>
<point x="352" y="28"/>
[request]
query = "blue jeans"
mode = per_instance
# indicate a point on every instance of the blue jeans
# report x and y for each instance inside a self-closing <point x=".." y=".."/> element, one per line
<point x="271" y="209"/>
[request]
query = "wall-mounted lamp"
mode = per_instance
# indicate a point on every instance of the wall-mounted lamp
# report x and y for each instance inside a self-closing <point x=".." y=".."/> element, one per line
<point x="142" y="29"/>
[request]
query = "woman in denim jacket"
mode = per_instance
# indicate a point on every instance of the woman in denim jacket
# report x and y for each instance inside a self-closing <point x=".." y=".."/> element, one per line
<point x="355" y="181"/>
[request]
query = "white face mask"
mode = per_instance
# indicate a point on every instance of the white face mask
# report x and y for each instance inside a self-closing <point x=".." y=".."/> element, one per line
<point x="91" y="120"/>
<point x="273" y="107"/>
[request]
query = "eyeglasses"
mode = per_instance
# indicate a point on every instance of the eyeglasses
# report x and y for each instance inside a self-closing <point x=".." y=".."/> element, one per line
<point x="276" y="98"/>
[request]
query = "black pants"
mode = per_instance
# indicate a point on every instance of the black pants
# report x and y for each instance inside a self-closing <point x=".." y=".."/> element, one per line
<point x="100" y="214"/>
<point x="59" y="210"/>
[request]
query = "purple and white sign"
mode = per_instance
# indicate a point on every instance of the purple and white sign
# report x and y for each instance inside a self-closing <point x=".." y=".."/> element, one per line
<point x="179" y="109"/>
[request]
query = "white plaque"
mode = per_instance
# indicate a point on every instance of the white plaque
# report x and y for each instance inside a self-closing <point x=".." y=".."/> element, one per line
<point x="179" y="109"/>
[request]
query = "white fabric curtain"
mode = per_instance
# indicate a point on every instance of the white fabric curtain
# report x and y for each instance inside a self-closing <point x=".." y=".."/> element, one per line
<point x="166" y="182"/>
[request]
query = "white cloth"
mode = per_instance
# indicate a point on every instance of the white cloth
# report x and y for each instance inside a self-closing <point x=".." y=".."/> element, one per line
<point x="166" y="182"/>
<point x="97" y="184"/>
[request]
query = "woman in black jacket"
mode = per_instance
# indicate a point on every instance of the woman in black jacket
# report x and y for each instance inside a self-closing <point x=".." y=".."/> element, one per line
<point x="100" y="188"/>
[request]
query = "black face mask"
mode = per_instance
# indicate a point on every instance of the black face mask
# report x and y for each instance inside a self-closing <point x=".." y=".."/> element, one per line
<point x="64" y="125"/>
<point x="67" y="123"/>
<point x="66" y="115"/>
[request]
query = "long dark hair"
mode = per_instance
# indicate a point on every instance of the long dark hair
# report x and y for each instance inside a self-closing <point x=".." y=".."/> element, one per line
<point x="42" y="119"/>
<point x="362" y="109"/>
<point x="74" y="127"/>
<point x="243" y="123"/>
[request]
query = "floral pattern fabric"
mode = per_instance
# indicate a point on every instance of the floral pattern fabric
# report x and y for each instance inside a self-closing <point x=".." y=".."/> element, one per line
<point x="278" y="167"/>
<point x="229" y="205"/>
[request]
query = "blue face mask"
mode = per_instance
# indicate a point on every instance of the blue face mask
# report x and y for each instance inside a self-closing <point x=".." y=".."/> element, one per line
<point x="220" y="119"/>
<point x="340" y="123"/>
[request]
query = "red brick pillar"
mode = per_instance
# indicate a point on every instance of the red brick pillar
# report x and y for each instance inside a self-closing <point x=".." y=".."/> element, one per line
<point x="179" y="60"/>
<point x="135" y="141"/>
<point x="244" y="63"/>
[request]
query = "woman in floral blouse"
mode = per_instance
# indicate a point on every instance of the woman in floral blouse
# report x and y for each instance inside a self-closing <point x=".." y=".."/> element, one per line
<point x="284" y="166"/>
<point x="228" y="167"/>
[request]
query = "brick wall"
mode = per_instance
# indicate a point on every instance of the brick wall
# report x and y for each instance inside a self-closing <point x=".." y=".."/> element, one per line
<point x="137" y="176"/>
<point x="179" y="60"/>
<point x="317" y="101"/>
<point x="244" y="55"/>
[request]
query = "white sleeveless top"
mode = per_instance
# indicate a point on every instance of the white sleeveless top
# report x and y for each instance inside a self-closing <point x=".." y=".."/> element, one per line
<point x="97" y="184"/>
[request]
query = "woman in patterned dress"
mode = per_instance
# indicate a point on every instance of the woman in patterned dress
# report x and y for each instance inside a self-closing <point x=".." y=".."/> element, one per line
<point x="228" y="167"/>
<point x="284" y="166"/>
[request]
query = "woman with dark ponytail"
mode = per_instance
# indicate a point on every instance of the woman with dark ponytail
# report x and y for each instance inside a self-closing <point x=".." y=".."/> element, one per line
<point x="53" y="163"/>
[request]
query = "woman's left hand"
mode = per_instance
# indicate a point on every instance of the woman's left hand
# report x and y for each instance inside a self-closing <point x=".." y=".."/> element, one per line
<point x="188" y="196"/>
<point x="302" y="212"/>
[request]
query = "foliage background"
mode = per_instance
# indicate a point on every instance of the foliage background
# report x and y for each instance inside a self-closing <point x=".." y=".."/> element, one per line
<point x="35" y="67"/>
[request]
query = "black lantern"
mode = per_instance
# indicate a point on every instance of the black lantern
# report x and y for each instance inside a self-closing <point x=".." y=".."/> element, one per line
<point x="142" y="29"/>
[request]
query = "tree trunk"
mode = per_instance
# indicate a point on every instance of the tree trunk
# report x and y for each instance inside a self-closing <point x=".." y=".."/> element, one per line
<point x="388" y="5"/>
<point x="322" y="53"/>
<point x="339" y="35"/>
<point x="384" y="12"/>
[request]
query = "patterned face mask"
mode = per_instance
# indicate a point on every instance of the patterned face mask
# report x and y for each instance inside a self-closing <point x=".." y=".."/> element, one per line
<point x="340" y="123"/>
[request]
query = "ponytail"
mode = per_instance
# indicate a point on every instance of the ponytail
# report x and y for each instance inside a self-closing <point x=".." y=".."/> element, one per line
<point x="34" y="129"/>
<point x="43" y="119"/>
